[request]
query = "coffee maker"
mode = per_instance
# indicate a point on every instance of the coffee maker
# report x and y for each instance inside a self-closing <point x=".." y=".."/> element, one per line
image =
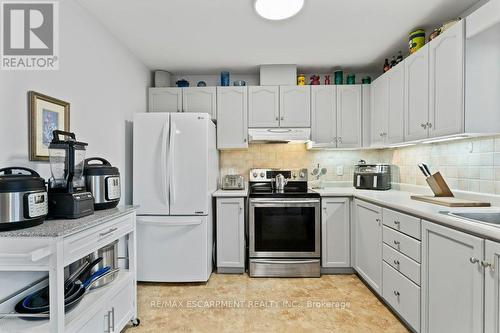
<point x="68" y="197"/>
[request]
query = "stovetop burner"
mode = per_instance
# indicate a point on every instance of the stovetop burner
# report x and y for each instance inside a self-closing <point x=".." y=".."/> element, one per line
<point x="262" y="184"/>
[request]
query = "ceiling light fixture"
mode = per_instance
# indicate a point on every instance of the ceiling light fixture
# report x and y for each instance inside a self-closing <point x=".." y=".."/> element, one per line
<point x="278" y="9"/>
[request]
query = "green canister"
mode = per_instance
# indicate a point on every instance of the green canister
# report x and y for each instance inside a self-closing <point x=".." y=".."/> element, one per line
<point x="416" y="40"/>
<point x="338" y="77"/>
<point x="366" y="80"/>
<point x="351" y="79"/>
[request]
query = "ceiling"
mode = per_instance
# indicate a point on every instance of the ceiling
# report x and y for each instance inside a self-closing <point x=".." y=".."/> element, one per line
<point x="206" y="36"/>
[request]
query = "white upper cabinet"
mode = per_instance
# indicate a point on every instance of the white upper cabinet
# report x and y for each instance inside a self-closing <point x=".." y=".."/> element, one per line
<point x="232" y="118"/>
<point x="452" y="280"/>
<point x="396" y="77"/>
<point x="379" y="110"/>
<point x="295" y="106"/>
<point x="200" y="99"/>
<point x="417" y="95"/>
<point x="263" y="106"/>
<point x="165" y="100"/>
<point x="446" y="86"/>
<point x="335" y="233"/>
<point x="324" y="114"/>
<point x="349" y="116"/>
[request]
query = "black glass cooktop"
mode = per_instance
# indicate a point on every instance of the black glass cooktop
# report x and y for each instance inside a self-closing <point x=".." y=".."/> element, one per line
<point x="292" y="190"/>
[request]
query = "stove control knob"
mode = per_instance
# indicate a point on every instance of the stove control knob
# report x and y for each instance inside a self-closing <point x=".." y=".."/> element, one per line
<point x="302" y="175"/>
<point x="262" y="175"/>
<point x="254" y="175"/>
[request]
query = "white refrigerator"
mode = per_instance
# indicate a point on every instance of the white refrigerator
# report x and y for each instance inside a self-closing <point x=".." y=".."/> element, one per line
<point x="175" y="172"/>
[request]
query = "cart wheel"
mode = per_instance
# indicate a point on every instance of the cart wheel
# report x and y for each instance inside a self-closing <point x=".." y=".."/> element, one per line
<point x="136" y="322"/>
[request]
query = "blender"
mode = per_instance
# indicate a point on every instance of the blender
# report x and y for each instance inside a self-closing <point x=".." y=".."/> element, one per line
<point x="68" y="197"/>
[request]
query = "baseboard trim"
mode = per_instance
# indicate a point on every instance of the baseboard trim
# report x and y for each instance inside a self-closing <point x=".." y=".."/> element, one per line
<point x="230" y="270"/>
<point x="337" y="270"/>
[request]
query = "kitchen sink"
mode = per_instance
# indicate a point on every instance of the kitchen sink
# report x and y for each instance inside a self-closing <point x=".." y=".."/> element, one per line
<point x="484" y="217"/>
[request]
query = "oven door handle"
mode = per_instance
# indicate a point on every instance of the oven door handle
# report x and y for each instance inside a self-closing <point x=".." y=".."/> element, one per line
<point x="284" y="201"/>
<point x="285" y="262"/>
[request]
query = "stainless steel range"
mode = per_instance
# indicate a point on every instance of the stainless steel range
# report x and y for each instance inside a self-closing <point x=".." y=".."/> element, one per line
<point x="284" y="224"/>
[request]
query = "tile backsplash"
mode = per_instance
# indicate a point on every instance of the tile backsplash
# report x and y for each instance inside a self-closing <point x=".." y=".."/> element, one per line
<point x="468" y="165"/>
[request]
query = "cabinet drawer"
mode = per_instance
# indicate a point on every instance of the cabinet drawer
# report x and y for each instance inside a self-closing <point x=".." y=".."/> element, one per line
<point x="408" y="267"/>
<point x="82" y="243"/>
<point x="403" y="295"/>
<point x="406" y="224"/>
<point x="404" y="244"/>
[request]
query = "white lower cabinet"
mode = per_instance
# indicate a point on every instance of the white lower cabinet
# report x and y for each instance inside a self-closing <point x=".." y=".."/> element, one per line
<point x="230" y="235"/>
<point x="491" y="263"/>
<point x="368" y="243"/>
<point x="403" y="295"/>
<point x="115" y="315"/>
<point x="452" y="280"/>
<point x="335" y="229"/>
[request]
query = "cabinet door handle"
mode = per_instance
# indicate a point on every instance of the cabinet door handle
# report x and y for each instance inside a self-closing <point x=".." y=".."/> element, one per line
<point x="241" y="209"/>
<point x="396" y="293"/>
<point x="424" y="126"/>
<point x="277" y="118"/>
<point x="113" y="320"/>
<point x="396" y="262"/>
<point x="487" y="264"/>
<point x="109" y="322"/>
<point x="473" y="260"/>
<point x="429" y="125"/>
<point x="245" y="140"/>
<point x="397" y="243"/>
<point x="282" y="118"/>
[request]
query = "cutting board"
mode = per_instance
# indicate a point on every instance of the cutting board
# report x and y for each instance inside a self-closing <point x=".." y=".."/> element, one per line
<point x="450" y="201"/>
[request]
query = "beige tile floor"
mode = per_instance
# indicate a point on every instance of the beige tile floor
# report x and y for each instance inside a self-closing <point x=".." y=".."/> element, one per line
<point x="236" y="303"/>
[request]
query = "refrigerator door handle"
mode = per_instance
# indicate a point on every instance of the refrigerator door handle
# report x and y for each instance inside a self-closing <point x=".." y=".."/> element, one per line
<point x="171" y="159"/>
<point x="170" y="224"/>
<point x="164" y="161"/>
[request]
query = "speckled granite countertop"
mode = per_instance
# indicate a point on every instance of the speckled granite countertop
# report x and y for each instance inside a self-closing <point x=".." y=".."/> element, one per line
<point x="61" y="228"/>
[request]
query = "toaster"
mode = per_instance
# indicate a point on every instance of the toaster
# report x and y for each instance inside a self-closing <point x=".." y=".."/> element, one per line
<point x="372" y="176"/>
<point x="233" y="182"/>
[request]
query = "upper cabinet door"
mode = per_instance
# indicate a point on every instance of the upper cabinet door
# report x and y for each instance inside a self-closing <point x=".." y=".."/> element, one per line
<point x="232" y="118"/>
<point x="165" y="99"/>
<point x="446" y="61"/>
<point x="417" y="95"/>
<point x="349" y="116"/>
<point x="200" y="99"/>
<point x="396" y="77"/>
<point x="295" y="106"/>
<point x="323" y="114"/>
<point x="379" y="110"/>
<point x="263" y="106"/>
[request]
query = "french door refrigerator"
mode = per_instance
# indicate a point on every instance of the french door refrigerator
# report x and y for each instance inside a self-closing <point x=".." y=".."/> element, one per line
<point x="175" y="172"/>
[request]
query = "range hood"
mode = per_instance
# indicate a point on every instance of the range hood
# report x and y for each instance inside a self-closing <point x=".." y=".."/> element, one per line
<point x="279" y="135"/>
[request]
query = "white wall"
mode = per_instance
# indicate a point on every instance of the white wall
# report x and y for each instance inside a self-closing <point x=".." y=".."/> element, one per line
<point x="105" y="85"/>
<point x="102" y="80"/>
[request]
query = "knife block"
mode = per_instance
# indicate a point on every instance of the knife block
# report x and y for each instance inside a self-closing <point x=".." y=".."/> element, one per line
<point x="439" y="186"/>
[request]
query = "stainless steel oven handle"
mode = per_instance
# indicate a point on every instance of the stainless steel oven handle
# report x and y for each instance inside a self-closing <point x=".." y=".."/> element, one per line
<point x="285" y="262"/>
<point x="285" y="201"/>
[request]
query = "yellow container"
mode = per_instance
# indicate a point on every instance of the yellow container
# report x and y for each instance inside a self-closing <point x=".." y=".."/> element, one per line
<point x="301" y="80"/>
<point x="416" y="40"/>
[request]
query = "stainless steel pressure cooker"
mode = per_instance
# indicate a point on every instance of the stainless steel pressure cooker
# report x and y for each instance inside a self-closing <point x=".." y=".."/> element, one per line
<point x="23" y="198"/>
<point x="103" y="180"/>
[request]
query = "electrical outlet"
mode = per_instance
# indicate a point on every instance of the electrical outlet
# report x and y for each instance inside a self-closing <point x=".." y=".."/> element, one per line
<point x="340" y="170"/>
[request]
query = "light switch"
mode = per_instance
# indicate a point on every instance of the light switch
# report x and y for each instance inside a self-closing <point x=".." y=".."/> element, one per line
<point x="340" y="170"/>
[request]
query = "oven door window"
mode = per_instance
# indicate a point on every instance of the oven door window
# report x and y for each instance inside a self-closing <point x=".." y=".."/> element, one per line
<point x="285" y="229"/>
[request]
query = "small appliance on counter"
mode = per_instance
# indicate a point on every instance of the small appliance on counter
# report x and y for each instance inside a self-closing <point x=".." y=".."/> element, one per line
<point x="103" y="181"/>
<point x="68" y="197"/>
<point x="372" y="176"/>
<point x="23" y="199"/>
<point x="233" y="182"/>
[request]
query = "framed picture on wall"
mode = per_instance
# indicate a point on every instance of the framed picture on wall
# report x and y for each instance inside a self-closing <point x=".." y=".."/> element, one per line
<point x="46" y="114"/>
